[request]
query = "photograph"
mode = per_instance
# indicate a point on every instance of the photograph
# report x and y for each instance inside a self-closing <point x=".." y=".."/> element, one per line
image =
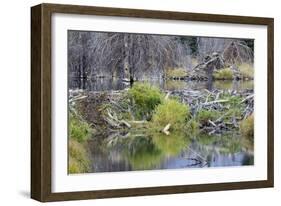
<point x="152" y="102"/>
<point x="134" y="102"/>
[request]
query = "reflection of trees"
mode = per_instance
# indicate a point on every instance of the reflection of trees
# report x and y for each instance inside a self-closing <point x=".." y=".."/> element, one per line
<point x="172" y="144"/>
<point x="139" y="150"/>
<point x="148" y="151"/>
<point x="224" y="144"/>
<point x="233" y="85"/>
<point x="143" y="154"/>
<point x="211" y="147"/>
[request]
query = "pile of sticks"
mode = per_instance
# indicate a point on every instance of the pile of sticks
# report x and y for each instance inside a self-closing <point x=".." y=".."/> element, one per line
<point x="214" y="100"/>
<point x="108" y="107"/>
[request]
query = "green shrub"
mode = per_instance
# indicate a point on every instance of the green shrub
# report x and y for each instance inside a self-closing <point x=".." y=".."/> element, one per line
<point x="247" y="127"/>
<point x="204" y="115"/>
<point x="79" y="130"/>
<point x="176" y="72"/>
<point x="234" y="101"/>
<point x="145" y="98"/>
<point x="171" y="112"/>
<point x="73" y="166"/>
<point x="233" y="112"/>
<point x="222" y="74"/>
<point x="78" y="158"/>
<point x="234" y="105"/>
<point x="246" y="70"/>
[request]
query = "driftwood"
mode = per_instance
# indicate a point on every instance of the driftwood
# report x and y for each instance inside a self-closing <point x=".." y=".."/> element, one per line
<point x="123" y="122"/>
<point x="214" y="102"/>
<point x="210" y="100"/>
<point x="110" y="106"/>
<point x="166" y="129"/>
<point x="113" y="120"/>
<point x="204" y="70"/>
<point x="76" y="95"/>
<point x="248" y="98"/>
<point x="139" y="122"/>
<point x="167" y="95"/>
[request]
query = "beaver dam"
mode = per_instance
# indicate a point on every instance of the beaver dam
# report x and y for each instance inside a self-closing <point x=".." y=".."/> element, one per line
<point x="144" y="127"/>
<point x="126" y="119"/>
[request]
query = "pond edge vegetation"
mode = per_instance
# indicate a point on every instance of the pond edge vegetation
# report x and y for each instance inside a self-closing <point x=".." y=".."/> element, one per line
<point x="79" y="132"/>
<point x="151" y="110"/>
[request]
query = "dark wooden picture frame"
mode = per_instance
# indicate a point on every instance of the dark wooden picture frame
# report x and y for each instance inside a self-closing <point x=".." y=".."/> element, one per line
<point x="41" y="102"/>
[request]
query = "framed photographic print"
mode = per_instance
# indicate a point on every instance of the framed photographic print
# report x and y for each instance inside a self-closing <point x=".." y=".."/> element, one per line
<point x="130" y="102"/>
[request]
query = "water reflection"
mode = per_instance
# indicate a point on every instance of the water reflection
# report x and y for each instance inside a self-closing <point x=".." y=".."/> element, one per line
<point x="158" y="151"/>
<point x="98" y="84"/>
<point x="106" y="84"/>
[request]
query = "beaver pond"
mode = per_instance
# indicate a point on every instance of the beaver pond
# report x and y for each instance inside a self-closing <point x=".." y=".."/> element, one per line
<point x="155" y="101"/>
<point x="132" y="145"/>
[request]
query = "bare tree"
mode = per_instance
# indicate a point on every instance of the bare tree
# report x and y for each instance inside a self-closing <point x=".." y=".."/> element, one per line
<point x="206" y="46"/>
<point x="238" y="52"/>
<point x="128" y="56"/>
<point x="233" y="51"/>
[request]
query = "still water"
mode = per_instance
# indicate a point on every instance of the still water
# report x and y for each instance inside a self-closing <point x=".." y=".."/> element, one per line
<point x="159" y="151"/>
<point x="139" y="150"/>
<point x="106" y="84"/>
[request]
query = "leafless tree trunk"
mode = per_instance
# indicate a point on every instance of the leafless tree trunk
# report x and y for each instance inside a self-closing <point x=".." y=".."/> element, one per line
<point x="128" y="56"/>
<point x="237" y="52"/>
<point x="233" y="51"/>
<point x="127" y="65"/>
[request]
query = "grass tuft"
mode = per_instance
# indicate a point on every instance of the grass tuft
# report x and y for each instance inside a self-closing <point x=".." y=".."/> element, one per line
<point x="176" y="72"/>
<point x="170" y="112"/>
<point x="247" y="127"/>
<point x="145" y="98"/>
<point x="246" y="70"/>
<point x="223" y="74"/>
<point x="79" y="130"/>
<point x="78" y="158"/>
<point x="203" y="116"/>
